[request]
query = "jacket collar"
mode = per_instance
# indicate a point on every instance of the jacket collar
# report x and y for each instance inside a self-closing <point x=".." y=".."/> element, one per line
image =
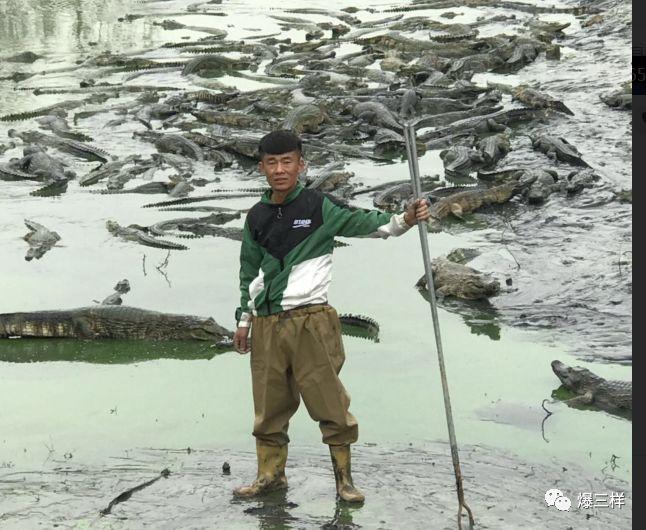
<point x="266" y="197"/>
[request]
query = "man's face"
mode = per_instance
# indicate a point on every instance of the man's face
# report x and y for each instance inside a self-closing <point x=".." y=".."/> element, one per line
<point x="282" y="170"/>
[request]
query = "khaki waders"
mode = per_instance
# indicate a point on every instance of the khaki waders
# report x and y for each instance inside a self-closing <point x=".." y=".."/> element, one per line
<point x="297" y="353"/>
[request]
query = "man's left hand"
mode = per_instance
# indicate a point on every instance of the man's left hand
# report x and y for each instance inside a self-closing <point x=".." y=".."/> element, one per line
<point x="417" y="211"/>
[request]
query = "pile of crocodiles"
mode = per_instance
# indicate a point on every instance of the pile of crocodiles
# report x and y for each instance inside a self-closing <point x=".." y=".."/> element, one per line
<point x="344" y="104"/>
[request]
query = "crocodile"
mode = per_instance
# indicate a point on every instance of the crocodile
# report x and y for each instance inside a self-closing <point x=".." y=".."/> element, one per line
<point x="40" y="164"/>
<point x="494" y="122"/>
<point x="43" y="111"/>
<point x="80" y="149"/>
<point x="494" y="148"/>
<point x="213" y="98"/>
<point x="158" y="111"/>
<point x="172" y="24"/>
<point x="447" y="118"/>
<point x="231" y="119"/>
<point x="230" y="232"/>
<point x="172" y="143"/>
<point x="111" y="322"/>
<point x="618" y="100"/>
<point x="389" y="142"/>
<point x="56" y="123"/>
<point x="537" y="100"/>
<point x="192" y="224"/>
<point x="147" y="188"/>
<point x="576" y="181"/>
<point x="188" y="200"/>
<point x="305" y="118"/>
<point x="465" y="67"/>
<point x="409" y="101"/>
<point x="543" y="185"/>
<point x="376" y="114"/>
<point x="394" y="197"/>
<point x="106" y="170"/>
<point x="330" y="177"/>
<point x="613" y="396"/>
<point x="8" y="172"/>
<point x="460" y="161"/>
<point x="214" y="64"/>
<point x="455" y="32"/>
<point x="122" y="287"/>
<point x="117" y="180"/>
<point x="470" y="200"/>
<point x="557" y="149"/>
<point x="459" y="281"/>
<point x="513" y="5"/>
<point x="138" y="234"/>
<point x="40" y="240"/>
<point x="343" y="16"/>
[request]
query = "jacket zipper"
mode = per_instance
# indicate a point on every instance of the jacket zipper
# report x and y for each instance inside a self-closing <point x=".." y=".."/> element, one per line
<point x="279" y="215"/>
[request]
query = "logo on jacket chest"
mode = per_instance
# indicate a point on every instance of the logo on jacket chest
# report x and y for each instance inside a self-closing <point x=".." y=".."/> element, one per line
<point x="302" y="223"/>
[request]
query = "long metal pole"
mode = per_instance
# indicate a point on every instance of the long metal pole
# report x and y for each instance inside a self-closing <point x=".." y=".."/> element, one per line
<point x="411" y="148"/>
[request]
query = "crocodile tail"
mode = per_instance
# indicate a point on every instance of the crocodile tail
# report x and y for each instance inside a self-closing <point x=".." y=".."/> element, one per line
<point x="70" y="135"/>
<point x="25" y="115"/>
<point x="560" y="106"/>
<point x="359" y="326"/>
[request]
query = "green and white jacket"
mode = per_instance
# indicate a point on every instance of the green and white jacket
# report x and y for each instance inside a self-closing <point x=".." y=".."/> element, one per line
<point x="286" y="253"/>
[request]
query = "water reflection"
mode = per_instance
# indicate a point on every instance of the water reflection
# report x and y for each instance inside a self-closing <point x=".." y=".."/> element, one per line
<point x="271" y="511"/>
<point x="479" y="315"/>
<point x="342" y="519"/>
<point x="64" y="26"/>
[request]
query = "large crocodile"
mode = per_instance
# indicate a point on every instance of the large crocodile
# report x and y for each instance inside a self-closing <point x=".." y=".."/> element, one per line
<point x="460" y="281"/>
<point x="557" y="149"/>
<point x="111" y="322"/>
<point x="494" y="122"/>
<point x="469" y="200"/>
<point x="610" y="395"/>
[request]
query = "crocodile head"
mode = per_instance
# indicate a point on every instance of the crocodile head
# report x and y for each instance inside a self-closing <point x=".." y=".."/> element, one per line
<point x="575" y="378"/>
<point x="209" y="329"/>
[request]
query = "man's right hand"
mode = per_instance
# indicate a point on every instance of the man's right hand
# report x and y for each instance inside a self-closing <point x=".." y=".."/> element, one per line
<point x="240" y="340"/>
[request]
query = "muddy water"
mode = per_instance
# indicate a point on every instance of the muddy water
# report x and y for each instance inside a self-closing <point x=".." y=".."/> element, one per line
<point x="84" y="424"/>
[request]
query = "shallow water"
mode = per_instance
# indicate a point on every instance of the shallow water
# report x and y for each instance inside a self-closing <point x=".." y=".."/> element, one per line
<point x="60" y="412"/>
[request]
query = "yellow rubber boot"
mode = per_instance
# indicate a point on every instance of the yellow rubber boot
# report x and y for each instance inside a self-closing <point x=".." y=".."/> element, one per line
<point x="271" y="471"/>
<point x="342" y="474"/>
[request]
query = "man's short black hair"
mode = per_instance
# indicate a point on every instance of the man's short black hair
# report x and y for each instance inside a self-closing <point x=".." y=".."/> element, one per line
<point x="279" y="142"/>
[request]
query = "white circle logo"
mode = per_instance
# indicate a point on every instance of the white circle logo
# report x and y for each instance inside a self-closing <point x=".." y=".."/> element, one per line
<point x="562" y="503"/>
<point x="552" y="495"/>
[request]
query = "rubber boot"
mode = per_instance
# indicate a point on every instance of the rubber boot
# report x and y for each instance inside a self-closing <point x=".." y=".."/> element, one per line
<point x="342" y="474"/>
<point x="271" y="471"/>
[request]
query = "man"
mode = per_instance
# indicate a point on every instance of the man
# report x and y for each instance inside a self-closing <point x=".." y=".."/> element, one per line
<point x="285" y="271"/>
